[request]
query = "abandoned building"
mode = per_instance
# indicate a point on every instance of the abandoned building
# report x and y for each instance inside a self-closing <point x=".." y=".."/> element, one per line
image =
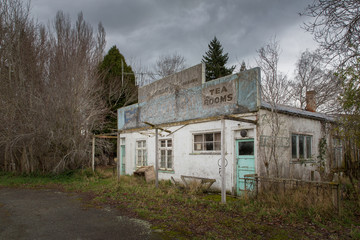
<point x="191" y="115"/>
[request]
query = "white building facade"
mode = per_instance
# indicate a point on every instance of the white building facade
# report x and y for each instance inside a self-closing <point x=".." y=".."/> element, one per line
<point x="191" y="144"/>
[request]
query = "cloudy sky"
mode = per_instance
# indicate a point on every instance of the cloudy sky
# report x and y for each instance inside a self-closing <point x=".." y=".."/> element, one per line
<point x="143" y="30"/>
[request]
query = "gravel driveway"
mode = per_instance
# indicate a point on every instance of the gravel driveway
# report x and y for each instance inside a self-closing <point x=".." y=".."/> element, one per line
<point x="50" y="214"/>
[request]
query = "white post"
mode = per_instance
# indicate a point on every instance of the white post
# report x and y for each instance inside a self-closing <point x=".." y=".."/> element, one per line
<point x="223" y="183"/>
<point x="93" y="154"/>
<point x="156" y="159"/>
<point x="118" y="155"/>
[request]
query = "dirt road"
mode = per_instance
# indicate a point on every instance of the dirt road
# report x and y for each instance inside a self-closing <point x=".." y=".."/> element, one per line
<point x="50" y="214"/>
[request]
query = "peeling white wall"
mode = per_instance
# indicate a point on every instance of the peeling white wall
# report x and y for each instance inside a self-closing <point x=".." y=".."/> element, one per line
<point x="186" y="161"/>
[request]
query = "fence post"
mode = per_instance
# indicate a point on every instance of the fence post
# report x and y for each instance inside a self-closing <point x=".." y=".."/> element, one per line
<point x="339" y="199"/>
<point x="257" y="187"/>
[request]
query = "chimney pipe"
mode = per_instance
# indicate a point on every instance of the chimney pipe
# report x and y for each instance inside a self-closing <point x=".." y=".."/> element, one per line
<point x="310" y="101"/>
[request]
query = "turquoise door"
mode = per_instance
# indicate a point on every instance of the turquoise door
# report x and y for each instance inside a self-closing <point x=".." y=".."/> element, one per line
<point x="122" y="160"/>
<point x="245" y="164"/>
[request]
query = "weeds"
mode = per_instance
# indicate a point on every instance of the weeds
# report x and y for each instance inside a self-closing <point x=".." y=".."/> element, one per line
<point x="193" y="214"/>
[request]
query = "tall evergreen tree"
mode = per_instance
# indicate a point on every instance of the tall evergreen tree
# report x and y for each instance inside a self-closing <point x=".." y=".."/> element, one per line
<point x="215" y="61"/>
<point x="119" y="89"/>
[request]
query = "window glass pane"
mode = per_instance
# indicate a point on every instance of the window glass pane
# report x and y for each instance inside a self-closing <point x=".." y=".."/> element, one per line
<point x="301" y="146"/>
<point x="217" y="146"/>
<point x="197" y="146"/>
<point x="246" y="148"/>
<point x="162" y="159"/>
<point x="162" y="143"/>
<point x="139" y="144"/>
<point x="144" y="144"/>
<point x="308" y="147"/>
<point x="169" y="159"/>
<point x="169" y="143"/>
<point x="217" y="137"/>
<point x="198" y="138"/>
<point x="293" y="146"/>
<point x="209" y="137"/>
<point x="209" y="146"/>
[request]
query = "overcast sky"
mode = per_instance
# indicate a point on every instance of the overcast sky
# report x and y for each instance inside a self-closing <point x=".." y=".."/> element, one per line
<point x="145" y="29"/>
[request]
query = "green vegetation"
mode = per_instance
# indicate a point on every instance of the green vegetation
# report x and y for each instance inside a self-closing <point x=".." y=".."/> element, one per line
<point x="215" y="61"/>
<point x="183" y="215"/>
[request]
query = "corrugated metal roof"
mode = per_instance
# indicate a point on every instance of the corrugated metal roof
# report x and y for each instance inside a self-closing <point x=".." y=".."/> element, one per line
<point x="298" y="111"/>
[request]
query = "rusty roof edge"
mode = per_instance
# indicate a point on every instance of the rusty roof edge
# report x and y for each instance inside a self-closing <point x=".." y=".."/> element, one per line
<point x="297" y="111"/>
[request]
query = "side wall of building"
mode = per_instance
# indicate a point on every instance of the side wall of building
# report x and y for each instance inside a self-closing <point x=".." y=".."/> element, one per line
<point x="280" y="161"/>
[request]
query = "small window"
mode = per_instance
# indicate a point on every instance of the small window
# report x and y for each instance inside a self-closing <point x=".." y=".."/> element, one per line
<point x="338" y="153"/>
<point x="301" y="146"/>
<point x="141" y="153"/>
<point x="166" y="156"/>
<point x="207" y="142"/>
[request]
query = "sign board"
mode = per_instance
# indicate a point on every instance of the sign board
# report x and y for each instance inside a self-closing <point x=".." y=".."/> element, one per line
<point x="233" y="94"/>
<point x="188" y="78"/>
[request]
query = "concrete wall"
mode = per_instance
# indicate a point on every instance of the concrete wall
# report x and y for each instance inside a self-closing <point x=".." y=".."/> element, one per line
<point x="288" y="167"/>
<point x="186" y="162"/>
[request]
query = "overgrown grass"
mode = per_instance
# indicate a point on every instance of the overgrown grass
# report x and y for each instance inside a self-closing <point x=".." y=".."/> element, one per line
<point x="195" y="215"/>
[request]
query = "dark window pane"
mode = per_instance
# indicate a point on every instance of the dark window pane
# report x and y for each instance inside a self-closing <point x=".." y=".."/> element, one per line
<point x="308" y="146"/>
<point x="301" y="146"/>
<point x="169" y="143"/>
<point x="209" y="146"/>
<point x="209" y="137"/>
<point x="246" y="148"/>
<point x="293" y="146"/>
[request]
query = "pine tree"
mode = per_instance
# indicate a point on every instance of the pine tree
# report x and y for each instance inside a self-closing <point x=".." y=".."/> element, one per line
<point x="118" y="88"/>
<point x="215" y="61"/>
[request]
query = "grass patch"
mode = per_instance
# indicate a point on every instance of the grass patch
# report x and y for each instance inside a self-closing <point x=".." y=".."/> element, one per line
<point x="184" y="214"/>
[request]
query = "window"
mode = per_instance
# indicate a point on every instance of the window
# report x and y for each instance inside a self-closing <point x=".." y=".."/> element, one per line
<point x="141" y="154"/>
<point x="301" y="146"/>
<point x="166" y="156"/>
<point x="207" y="142"/>
<point x="338" y="153"/>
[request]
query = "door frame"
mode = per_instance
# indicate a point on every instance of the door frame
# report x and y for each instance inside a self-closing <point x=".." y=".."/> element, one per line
<point x="236" y="141"/>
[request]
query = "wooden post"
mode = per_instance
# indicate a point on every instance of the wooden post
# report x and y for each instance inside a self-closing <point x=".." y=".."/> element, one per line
<point x="223" y="179"/>
<point x="118" y="155"/>
<point x="257" y="186"/>
<point x="93" y="154"/>
<point x="156" y="158"/>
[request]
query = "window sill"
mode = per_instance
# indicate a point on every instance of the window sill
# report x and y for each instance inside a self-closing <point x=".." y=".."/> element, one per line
<point x="166" y="171"/>
<point x="205" y="153"/>
<point x="302" y="161"/>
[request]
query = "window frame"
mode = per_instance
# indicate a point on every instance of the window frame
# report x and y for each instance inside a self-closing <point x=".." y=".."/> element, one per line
<point x="143" y="149"/>
<point x="216" y="141"/>
<point x="304" y="151"/>
<point x="166" y="148"/>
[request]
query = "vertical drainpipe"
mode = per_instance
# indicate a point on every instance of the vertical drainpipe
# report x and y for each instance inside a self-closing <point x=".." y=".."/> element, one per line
<point x="223" y="180"/>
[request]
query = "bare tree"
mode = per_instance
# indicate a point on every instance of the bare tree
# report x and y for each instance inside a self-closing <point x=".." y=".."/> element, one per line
<point x="168" y="64"/>
<point x="275" y="90"/>
<point x="335" y="25"/>
<point x="48" y="94"/>
<point x="275" y="87"/>
<point x="311" y="73"/>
